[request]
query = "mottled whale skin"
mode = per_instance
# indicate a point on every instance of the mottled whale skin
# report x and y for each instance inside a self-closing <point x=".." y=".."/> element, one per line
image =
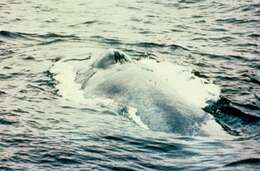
<point x="161" y="100"/>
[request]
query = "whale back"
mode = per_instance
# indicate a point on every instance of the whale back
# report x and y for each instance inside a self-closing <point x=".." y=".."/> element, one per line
<point x="160" y="92"/>
<point x="160" y="96"/>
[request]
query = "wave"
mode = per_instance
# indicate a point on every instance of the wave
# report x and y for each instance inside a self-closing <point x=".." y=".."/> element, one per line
<point x="254" y="35"/>
<point x="250" y="7"/>
<point x="114" y="41"/>
<point x="55" y="35"/>
<point x="10" y="34"/>
<point x="236" y="21"/>
<point x="6" y="122"/>
<point x="234" y="120"/>
<point x="217" y="56"/>
<point x="251" y="162"/>
<point x="158" y="45"/>
<point x="90" y="22"/>
<point x="39" y="39"/>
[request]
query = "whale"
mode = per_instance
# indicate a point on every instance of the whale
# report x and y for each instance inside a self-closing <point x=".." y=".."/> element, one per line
<point x="156" y="95"/>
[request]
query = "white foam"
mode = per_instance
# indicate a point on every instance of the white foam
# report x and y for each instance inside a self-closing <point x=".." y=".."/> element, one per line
<point x="132" y="115"/>
<point x="65" y="74"/>
<point x="70" y="90"/>
<point x="214" y="130"/>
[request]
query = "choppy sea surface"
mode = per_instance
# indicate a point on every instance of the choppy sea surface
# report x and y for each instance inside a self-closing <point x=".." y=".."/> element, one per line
<point x="40" y="129"/>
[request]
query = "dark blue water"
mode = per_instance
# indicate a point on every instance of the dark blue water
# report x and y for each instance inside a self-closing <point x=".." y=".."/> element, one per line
<point x="41" y="130"/>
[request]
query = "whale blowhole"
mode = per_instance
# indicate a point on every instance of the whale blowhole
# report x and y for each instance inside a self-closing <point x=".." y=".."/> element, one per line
<point x="111" y="57"/>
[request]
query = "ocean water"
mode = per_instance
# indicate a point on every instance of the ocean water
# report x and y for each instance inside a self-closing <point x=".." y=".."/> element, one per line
<point x="51" y="119"/>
